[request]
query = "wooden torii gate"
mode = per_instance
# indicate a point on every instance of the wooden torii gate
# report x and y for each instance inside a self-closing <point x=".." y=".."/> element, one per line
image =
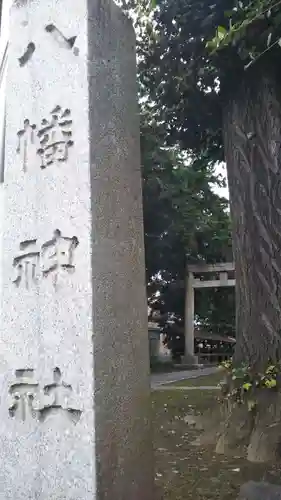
<point x="193" y="283"/>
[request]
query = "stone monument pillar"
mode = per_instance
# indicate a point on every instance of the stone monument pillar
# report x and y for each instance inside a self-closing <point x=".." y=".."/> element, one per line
<point x="75" y="405"/>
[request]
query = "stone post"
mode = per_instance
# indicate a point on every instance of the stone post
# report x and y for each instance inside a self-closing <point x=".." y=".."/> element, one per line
<point x="74" y="369"/>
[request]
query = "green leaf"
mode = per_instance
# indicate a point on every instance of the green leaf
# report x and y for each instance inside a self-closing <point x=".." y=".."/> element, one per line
<point x="211" y="44"/>
<point x="271" y="369"/>
<point x="226" y="364"/>
<point x="247" y="386"/>
<point x="270" y="383"/>
<point x="221" y="32"/>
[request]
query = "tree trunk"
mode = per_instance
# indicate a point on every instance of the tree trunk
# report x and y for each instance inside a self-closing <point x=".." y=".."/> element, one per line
<point x="252" y="138"/>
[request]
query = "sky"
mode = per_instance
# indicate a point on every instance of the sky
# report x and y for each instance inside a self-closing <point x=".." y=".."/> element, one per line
<point x="221" y="170"/>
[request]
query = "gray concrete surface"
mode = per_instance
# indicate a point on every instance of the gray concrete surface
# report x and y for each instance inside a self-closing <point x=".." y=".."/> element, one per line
<point x="160" y="379"/>
<point x="171" y="387"/>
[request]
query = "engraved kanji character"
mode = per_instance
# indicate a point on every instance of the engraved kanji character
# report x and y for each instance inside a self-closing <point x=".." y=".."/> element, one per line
<point x="23" y="391"/>
<point x="55" y="136"/>
<point x="59" y="393"/>
<point x="58" y="253"/>
<point x="25" y="138"/>
<point x="26" y="264"/>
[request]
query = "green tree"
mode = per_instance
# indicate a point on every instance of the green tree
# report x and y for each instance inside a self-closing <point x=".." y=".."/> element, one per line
<point x="228" y="103"/>
<point x="184" y="220"/>
<point x="212" y="68"/>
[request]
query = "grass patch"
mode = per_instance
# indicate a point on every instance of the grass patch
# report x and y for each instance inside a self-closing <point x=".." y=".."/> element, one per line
<point x="204" y="380"/>
<point x="185" y="472"/>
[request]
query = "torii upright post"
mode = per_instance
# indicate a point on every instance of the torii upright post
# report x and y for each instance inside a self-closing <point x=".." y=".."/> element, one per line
<point x="189" y="357"/>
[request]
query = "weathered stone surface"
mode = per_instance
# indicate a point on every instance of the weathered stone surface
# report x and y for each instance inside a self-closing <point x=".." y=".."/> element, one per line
<point x="259" y="491"/>
<point x="75" y="408"/>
